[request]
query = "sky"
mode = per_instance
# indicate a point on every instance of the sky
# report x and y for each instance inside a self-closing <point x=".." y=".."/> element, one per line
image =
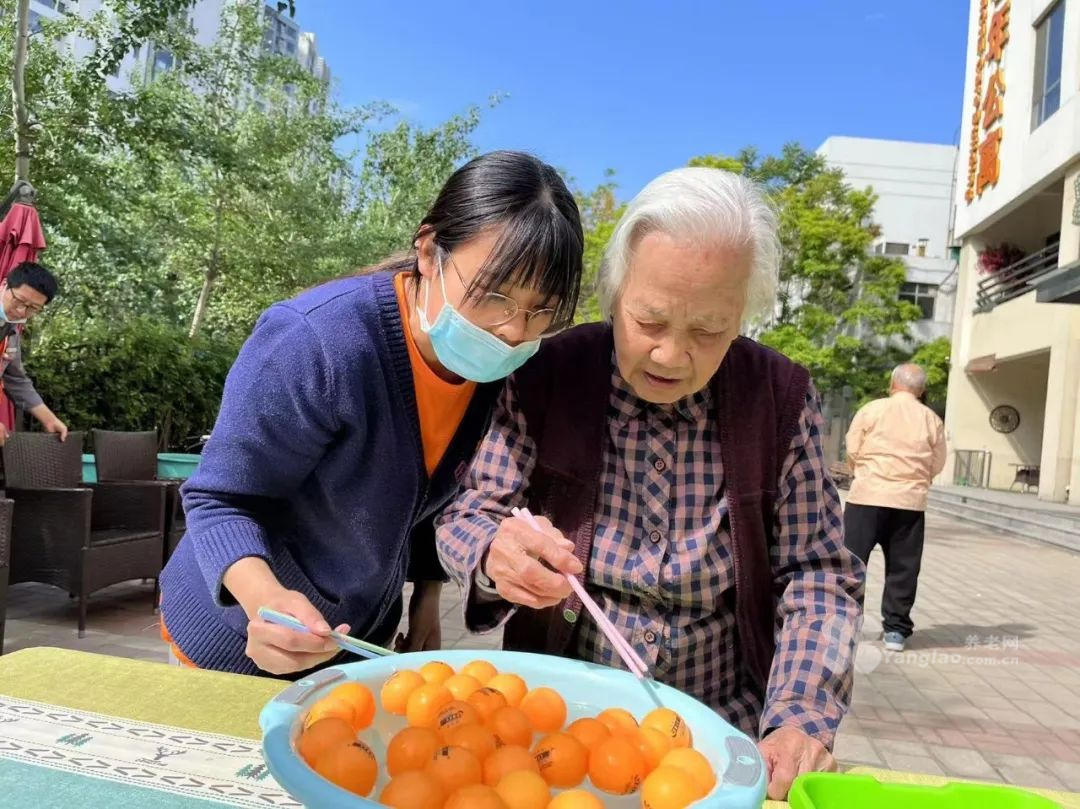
<point x="642" y="86"/>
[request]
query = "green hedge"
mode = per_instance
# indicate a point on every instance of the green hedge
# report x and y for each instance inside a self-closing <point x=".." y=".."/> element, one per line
<point x="134" y="374"/>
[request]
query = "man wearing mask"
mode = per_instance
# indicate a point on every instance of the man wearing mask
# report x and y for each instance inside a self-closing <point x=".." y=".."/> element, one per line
<point x="26" y="292"/>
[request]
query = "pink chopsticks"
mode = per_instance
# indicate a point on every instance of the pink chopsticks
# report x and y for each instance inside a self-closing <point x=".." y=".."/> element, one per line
<point x="631" y="658"/>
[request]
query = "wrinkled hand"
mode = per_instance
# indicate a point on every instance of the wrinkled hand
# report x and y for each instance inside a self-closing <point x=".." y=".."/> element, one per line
<point x="425" y="628"/>
<point x="514" y="558"/>
<point x="280" y="650"/>
<point x="788" y="753"/>
<point x="54" y="425"/>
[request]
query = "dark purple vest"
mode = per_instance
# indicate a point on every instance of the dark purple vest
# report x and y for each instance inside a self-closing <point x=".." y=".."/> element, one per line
<point x="564" y="394"/>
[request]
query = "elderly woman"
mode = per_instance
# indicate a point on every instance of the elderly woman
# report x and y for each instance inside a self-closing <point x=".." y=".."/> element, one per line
<point x="679" y="471"/>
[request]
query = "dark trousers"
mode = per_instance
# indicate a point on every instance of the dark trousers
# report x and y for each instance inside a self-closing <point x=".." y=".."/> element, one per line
<point x="900" y="534"/>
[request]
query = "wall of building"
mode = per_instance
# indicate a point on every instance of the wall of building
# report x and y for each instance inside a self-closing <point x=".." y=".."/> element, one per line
<point x="1020" y="384"/>
<point x="1014" y="333"/>
<point x="1029" y="158"/>
<point x="913" y="183"/>
<point x="1036" y="345"/>
<point x="914" y="187"/>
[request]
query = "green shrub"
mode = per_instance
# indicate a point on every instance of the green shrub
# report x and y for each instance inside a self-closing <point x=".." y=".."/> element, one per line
<point x="135" y="374"/>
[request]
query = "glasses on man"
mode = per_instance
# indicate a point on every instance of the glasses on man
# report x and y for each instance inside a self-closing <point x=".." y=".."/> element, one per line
<point x="493" y="310"/>
<point x="29" y="307"/>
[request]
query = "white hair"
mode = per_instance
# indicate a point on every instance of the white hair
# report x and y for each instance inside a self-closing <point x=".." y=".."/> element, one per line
<point x="910" y="377"/>
<point x="707" y="206"/>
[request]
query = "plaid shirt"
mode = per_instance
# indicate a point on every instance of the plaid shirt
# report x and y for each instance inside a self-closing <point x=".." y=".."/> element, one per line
<point x="661" y="566"/>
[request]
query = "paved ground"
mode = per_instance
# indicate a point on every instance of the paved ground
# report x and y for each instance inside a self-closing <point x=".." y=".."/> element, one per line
<point x="989" y="689"/>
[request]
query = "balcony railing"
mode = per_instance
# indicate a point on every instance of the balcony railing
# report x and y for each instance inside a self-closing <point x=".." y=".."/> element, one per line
<point x="1016" y="279"/>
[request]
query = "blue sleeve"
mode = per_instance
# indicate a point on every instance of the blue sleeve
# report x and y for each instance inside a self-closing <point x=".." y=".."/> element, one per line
<point x="276" y="420"/>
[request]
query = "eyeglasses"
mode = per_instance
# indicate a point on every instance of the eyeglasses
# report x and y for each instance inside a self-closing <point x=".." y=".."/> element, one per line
<point x="493" y="310"/>
<point x="27" y="306"/>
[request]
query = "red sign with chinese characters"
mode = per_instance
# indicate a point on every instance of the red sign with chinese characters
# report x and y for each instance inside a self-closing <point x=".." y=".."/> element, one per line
<point x="984" y="150"/>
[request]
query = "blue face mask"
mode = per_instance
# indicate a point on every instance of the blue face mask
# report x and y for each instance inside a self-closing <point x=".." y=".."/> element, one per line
<point x="467" y="350"/>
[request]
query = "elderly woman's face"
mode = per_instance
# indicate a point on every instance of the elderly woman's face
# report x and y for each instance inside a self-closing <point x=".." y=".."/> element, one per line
<point x="679" y="310"/>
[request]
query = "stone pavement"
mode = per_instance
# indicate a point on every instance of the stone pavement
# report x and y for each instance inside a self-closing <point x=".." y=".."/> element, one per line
<point x="988" y="689"/>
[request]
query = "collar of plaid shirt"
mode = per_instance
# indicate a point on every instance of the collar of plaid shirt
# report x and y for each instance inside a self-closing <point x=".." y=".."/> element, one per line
<point x="628" y="405"/>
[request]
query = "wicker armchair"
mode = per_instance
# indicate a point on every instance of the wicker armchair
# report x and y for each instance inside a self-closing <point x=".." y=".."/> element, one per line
<point x="74" y="536"/>
<point x="5" y="560"/>
<point x="121" y="456"/>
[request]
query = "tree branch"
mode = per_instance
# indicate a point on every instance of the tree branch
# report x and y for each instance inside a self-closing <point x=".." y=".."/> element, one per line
<point x="18" y="94"/>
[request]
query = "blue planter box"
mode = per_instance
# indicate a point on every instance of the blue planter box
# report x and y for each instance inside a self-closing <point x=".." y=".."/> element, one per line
<point x="170" y="465"/>
<point x="176" y="464"/>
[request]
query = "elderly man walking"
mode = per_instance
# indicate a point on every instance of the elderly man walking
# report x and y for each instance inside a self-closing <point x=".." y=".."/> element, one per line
<point x="679" y="471"/>
<point x="896" y="446"/>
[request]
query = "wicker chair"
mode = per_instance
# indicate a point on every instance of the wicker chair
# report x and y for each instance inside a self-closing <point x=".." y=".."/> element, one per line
<point x="5" y="560"/>
<point x="74" y="536"/>
<point x="121" y="457"/>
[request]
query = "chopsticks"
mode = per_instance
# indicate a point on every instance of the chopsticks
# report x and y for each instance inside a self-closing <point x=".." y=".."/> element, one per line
<point x="346" y="642"/>
<point x="638" y="667"/>
<point x="631" y="658"/>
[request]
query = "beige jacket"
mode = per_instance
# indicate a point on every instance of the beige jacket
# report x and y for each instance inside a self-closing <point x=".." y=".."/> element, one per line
<point x="895" y="447"/>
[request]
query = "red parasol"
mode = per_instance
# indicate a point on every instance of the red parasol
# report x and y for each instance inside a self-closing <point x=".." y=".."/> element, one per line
<point x="21" y="239"/>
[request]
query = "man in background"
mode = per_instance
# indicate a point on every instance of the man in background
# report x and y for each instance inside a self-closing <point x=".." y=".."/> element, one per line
<point x="895" y="447"/>
<point x="27" y="291"/>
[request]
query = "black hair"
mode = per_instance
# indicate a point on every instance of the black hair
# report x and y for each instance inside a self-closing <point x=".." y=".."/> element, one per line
<point x="35" y="276"/>
<point x="540" y="244"/>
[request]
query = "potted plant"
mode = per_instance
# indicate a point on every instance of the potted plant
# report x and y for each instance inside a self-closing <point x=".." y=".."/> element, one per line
<point x="992" y="259"/>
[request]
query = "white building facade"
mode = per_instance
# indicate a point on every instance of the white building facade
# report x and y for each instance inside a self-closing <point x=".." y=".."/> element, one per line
<point x="1013" y="420"/>
<point x="914" y="187"/>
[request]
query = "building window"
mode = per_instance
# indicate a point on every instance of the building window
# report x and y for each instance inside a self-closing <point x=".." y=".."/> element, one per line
<point x="920" y="248"/>
<point x="163" y="61"/>
<point x="1049" y="35"/>
<point x="34" y="22"/>
<point x="897" y="248"/>
<point x="922" y="295"/>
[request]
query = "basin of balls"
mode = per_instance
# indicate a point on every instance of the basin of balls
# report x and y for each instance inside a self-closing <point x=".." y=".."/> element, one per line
<point x="465" y="729"/>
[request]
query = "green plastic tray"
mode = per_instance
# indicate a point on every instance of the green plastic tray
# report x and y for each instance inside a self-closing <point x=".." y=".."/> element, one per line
<point x="829" y="790"/>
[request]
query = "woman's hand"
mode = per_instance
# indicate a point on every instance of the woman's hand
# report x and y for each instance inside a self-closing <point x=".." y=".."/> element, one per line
<point x="278" y="649"/>
<point x="515" y="558"/>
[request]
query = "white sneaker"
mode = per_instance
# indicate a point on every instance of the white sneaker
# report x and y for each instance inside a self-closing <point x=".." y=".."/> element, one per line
<point x="894" y="641"/>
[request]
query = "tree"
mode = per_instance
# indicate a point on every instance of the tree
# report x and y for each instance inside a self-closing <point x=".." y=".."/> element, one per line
<point x="213" y="189"/>
<point x="933" y="357"/>
<point x="404" y="168"/>
<point x="18" y="92"/>
<point x="190" y="202"/>
<point x="132" y="23"/>
<point x="242" y="179"/>
<point x="82" y="171"/>
<point x="135" y="22"/>
<point x="600" y="213"/>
